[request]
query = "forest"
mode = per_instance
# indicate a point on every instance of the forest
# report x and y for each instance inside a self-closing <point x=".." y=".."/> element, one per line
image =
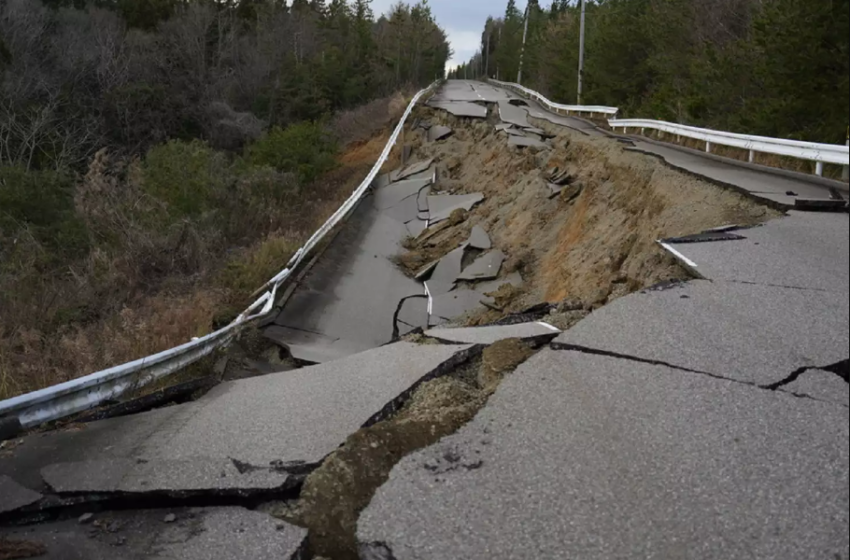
<point x="772" y="67"/>
<point x="161" y="159"/>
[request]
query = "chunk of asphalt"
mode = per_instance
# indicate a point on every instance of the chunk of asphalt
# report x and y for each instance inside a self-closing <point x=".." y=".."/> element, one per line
<point x="438" y="133"/>
<point x="405" y="211"/>
<point x="441" y="206"/>
<point x="412" y="315"/>
<point x="503" y="127"/>
<point x="449" y="267"/>
<point x="179" y="477"/>
<point x="491" y="335"/>
<point x="414" y="169"/>
<point x="555" y="190"/>
<point x="300" y="415"/>
<point x="527" y="142"/>
<point x="232" y="532"/>
<point x="515" y="132"/>
<point x="604" y="481"/>
<point x="514" y="279"/>
<point x="416" y="227"/>
<point x="457" y="303"/>
<point x="310" y="347"/>
<point x="436" y="288"/>
<point x="393" y="194"/>
<point x="15" y="496"/>
<point x="487" y="267"/>
<point x="462" y="108"/>
<point x="479" y="239"/>
<point x="820" y="385"/>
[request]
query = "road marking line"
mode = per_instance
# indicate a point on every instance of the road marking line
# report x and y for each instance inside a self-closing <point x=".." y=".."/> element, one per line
<point x="679" y="255"/>
<point x="548" y="326"/>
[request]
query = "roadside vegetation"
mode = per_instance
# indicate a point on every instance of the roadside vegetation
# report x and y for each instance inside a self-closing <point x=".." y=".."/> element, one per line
<point x="772" y="67"/>
<point x="161" y="160"/>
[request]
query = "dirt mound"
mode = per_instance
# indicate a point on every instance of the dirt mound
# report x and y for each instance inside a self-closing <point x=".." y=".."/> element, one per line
<point x="597" y="240"/>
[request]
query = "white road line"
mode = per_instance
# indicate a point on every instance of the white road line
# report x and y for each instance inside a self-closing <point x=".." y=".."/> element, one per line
<point x="678" y="255"/>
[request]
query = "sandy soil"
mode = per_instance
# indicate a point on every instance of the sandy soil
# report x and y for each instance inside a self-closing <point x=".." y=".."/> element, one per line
<point x="592" y="249"/>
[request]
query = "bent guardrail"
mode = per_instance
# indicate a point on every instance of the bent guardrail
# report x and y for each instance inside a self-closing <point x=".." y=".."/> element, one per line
<point x="87" y="392"/>
<point x="558" y="108"/>
<point x="811" y="151"/>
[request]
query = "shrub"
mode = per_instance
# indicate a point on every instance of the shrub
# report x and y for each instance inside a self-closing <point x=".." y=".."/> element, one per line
<point x="305" y="149"/>
<point x="190" y="177"/>
<point x="42" y="203"/>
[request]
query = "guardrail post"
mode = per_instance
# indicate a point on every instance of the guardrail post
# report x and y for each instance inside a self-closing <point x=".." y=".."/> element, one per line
<point x="819" y="169"/>
<point x="845" y="173"/>
<point x="752" y="156"/>
<point x="708" y="147"/>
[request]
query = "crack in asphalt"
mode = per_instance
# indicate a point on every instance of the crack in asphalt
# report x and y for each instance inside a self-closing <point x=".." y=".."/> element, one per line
<point x="839" y="368"/>
<point x="396" y="320"/>
<point x="611" y="354"/>
<point x="782" y="286"/>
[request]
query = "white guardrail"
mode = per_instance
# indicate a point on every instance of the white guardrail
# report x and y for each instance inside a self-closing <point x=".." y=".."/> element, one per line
<point x="558" y="108"/>
<point x="811" y="151"/>
<point x="87" y="392"/>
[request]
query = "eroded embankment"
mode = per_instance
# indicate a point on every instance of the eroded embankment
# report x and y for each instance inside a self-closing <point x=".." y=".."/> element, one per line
<point x="595" y="241"/>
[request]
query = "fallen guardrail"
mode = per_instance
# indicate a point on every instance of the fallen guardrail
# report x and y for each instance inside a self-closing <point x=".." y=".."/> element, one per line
<point x="811" y="151"/>
<point x="592" y="110"/>
<point x="65" y="399"/>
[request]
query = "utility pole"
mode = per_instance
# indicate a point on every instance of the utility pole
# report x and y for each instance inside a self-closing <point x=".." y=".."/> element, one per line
<point x="522" y="52"/>
<point x="581" y="52"/>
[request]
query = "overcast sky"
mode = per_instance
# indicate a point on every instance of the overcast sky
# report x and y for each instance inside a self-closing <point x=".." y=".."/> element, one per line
<point x="463" y="20"/>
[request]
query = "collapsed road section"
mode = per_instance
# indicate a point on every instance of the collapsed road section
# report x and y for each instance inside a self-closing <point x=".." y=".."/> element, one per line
<point x="532" y="342"/>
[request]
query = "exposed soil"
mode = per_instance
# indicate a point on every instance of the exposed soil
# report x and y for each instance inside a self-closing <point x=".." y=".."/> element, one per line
<point x="337" y="492"/>
<point x="15" y="549"/>
<point x="596" y="241"/>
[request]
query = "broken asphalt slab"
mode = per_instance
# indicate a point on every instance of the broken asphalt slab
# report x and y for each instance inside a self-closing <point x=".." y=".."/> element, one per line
<point x="486" y="267"/>
<point x="751" y="333"/>
<point x="442" y="206"/>
<point x="456" y="303"/>
<point x="14" y="496"/>
<point x="591" y="457"/>
<point x="461" y="108"/>
<point x="188" y="477"/>
<point x="491" y="335"/>
<point x="479" y="239"/>
<point x="394" y="193"/>
<point x="438" y="133"/>
<point x="806" y="251"/>
<point x="262" y="427"/>
<point x="221" y="533"/>
<point x="412" y="170"/>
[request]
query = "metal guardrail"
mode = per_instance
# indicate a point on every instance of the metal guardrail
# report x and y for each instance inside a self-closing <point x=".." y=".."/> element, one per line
<point x="87" y="392"/>
<point x="811" y="151"/>
<point x="558" y="108"/>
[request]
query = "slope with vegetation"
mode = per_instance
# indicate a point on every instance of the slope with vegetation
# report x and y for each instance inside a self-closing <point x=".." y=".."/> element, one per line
<point x="773" y="67"/>
<point x="160" y="159"/>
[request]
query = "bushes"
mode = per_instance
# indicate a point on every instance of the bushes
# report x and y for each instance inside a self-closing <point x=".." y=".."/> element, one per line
<point x="41" y="203"/>
<point x="305" y="149"/>
<point x="189" y="177"/>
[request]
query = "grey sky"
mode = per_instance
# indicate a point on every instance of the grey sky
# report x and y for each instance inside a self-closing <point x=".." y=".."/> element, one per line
<point x="463" y="20"/>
